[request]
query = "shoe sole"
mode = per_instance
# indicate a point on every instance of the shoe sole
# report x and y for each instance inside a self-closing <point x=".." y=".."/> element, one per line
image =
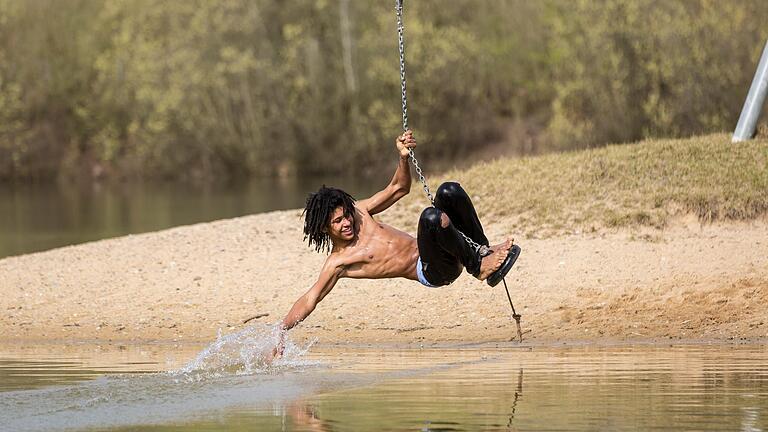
<point x="506" y="266"/>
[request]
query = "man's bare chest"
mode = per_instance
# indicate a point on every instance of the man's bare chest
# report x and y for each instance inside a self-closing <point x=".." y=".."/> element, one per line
<point x="379" y="252"/>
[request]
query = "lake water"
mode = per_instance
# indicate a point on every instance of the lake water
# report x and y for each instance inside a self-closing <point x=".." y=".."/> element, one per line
<point x="37" y="217"/>
<point x="497" y="387"/>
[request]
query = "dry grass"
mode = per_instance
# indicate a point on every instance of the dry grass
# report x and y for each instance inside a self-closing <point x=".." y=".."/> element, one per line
<point x="632" y="185"/>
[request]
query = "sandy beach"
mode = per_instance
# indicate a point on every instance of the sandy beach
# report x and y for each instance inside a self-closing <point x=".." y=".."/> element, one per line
<point x="688" y="281"/>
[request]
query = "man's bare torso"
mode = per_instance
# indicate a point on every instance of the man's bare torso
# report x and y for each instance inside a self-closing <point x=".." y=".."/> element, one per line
<point x="378" y="251"/>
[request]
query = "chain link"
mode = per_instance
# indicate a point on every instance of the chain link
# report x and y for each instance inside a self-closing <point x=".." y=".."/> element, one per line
<point x="482" y="249"/>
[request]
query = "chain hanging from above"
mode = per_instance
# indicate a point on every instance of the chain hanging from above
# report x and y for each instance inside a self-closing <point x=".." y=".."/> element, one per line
<point x="404" y="99"/>
<point x="482" y="249"/>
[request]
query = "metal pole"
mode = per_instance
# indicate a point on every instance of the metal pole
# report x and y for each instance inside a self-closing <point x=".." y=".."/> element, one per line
<point x="745" y="129"/>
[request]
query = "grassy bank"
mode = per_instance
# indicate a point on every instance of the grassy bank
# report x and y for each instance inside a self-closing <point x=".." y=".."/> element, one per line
<point x="645" y="184"/>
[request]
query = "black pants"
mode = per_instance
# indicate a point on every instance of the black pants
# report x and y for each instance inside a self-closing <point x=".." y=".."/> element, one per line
<point x="443" y="250"/>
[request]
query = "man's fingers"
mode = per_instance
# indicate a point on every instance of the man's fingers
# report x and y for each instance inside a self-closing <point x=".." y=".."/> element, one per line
<point x="406" y="140"/>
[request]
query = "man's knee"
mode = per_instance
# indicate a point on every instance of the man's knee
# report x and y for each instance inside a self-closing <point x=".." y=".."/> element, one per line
<point x="444" y="220"/>
<point x="448" y="191"/>
<point x="434" y="217"/>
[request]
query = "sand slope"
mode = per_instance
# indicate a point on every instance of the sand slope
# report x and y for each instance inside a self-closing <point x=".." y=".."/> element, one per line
<point x="186" y="283"/>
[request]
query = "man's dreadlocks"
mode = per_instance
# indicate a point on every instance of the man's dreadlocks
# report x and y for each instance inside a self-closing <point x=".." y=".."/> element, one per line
<point x="317" y="215"/>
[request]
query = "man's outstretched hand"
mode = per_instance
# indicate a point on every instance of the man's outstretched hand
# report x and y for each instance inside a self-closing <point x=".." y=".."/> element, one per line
<point x="277" y="351"/>
<point x="404" y="142"/>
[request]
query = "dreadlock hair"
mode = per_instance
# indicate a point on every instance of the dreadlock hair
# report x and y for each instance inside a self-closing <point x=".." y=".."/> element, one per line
<point x="317" y="215"/>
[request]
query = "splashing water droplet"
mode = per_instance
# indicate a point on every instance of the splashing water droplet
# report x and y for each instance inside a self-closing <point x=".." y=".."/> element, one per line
<point x="246" y="352"/>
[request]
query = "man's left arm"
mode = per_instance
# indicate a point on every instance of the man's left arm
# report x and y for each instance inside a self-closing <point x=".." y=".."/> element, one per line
<point x="400" y="184"/>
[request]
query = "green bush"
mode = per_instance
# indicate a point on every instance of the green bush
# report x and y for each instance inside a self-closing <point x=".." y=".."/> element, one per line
<point x="200" y="89"/>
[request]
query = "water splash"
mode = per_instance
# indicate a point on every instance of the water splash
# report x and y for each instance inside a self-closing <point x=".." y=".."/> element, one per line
<point x="246" y="352"/>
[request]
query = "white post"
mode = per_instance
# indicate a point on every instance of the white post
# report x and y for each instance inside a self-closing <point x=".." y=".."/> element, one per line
<point x="745" y="129"/>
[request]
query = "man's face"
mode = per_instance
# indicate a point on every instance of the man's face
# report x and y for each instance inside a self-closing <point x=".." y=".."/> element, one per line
<point x="341" y="227"/>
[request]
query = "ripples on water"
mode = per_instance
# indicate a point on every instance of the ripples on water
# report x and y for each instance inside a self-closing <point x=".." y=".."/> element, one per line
<point x="232" y="371"/>
<point x="229" y="385"/>
<point x="246" y="352"/>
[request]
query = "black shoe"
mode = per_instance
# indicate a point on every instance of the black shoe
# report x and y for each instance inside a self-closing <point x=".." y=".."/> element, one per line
<point x="506" y="266"/>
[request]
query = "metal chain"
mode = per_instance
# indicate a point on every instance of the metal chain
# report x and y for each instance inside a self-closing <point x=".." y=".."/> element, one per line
<point x="404" y="99"/>
<point x="401" y="47"/>
<point x="482" y="249"/>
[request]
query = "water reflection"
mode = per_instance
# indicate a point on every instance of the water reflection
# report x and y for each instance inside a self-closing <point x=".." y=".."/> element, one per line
<point x="620" y="388"/>
<point x="518" y="394"/>
<point x="35" y="217"/>
<point x="578" y="389"/>
<point x="305" y="417"/>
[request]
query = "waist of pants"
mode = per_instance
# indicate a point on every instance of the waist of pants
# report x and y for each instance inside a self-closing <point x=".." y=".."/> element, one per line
<point x="420" y="275"/>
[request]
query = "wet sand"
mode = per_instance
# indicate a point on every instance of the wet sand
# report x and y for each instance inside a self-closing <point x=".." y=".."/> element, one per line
<point x="686" y="282"/>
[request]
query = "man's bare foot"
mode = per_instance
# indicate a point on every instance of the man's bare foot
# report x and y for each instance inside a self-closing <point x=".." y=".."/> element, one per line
<point x="496" y="247"/>
<point x="492" y="262"/>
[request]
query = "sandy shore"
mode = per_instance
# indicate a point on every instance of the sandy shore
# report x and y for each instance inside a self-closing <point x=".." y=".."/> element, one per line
<point x="686" y="282"/>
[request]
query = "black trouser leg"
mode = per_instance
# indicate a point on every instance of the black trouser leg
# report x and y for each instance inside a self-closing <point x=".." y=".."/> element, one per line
<point x="454" y="201"/>
<point x="443" y="250"/>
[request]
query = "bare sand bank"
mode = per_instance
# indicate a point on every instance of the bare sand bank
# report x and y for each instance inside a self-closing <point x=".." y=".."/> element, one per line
<point x="685" y="282"/>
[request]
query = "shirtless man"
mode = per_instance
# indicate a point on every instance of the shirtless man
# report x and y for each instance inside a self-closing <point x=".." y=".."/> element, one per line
<point x="362" y="248"/>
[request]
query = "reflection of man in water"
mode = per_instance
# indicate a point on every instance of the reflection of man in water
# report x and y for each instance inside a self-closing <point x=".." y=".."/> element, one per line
<point x="363" y="248"/>
<point x="305" y="415"/>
